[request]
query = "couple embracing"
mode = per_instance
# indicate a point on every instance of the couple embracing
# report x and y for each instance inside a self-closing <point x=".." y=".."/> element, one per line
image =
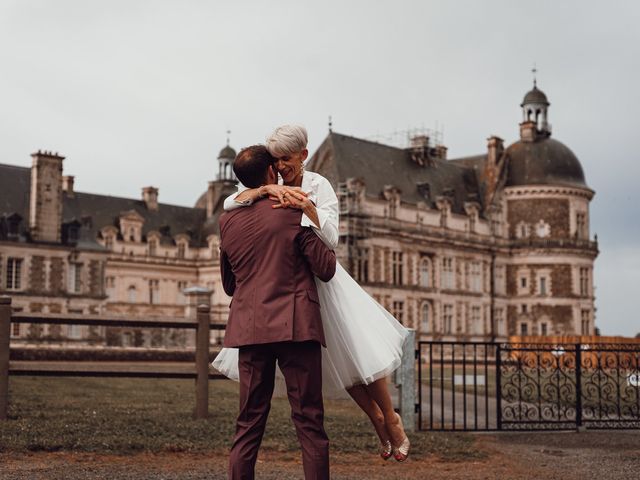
<point x="293" y="305"/>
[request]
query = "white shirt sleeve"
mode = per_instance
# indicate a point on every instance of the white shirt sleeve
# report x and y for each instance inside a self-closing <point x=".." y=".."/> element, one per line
<point x="230" y="202"/>
<point x="326" y="202"/>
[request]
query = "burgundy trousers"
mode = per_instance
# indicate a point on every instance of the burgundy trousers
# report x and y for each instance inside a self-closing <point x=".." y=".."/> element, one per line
<point x="301" y="365"/>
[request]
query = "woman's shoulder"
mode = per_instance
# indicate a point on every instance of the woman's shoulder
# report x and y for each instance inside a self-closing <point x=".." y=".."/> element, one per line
<point x="316" y="178"/>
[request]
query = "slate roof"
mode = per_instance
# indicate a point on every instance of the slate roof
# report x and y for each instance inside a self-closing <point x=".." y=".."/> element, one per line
<point x="543" y="162"/>
<point x="341" y="157"/>
<point x="95" y="211"/>
<point x="535" y="96"/>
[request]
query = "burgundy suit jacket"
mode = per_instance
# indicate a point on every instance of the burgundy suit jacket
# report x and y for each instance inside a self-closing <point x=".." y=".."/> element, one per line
<point x="268" y="262"/>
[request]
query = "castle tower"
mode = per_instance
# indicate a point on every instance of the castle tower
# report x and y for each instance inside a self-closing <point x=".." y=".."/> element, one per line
<point x="225" y="163"/>
<point x="45" y="206"/>
<point x="535" y="108"/>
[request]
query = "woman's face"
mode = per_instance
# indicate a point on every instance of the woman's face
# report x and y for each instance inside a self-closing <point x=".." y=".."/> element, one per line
<point x="290" y="167"/>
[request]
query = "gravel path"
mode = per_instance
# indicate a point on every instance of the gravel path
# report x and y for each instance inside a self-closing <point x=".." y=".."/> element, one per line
<point x="510" y="456"/>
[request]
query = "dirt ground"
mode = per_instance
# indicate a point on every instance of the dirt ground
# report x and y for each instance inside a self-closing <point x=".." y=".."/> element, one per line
<point x="566" y="456"/>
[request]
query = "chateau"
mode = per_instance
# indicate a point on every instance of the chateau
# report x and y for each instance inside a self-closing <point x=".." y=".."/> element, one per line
<point x="473" y="248"/>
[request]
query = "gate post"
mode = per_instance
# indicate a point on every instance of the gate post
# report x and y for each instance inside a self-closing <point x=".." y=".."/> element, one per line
<point x="202" y="361"/>
<point x="407" y="382"/>
<point x="498" y="386"/>
<point x="578" y="386"/>
<point x="5" y="333"/>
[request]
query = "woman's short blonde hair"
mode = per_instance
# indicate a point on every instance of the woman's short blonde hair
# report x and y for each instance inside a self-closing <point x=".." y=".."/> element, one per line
<point x="287" y="140"/>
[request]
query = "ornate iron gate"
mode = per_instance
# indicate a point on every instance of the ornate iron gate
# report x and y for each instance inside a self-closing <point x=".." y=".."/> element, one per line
<point x="508" y="386"/>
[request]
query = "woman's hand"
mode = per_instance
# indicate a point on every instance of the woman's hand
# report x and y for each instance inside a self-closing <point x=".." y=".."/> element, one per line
<point x="283" y="194"/>
<point x="301" y="201"/>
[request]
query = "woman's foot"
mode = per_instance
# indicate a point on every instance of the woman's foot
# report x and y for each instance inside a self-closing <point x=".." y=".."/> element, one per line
<point x="401" y="444"/>
<point x="386" y="450"/>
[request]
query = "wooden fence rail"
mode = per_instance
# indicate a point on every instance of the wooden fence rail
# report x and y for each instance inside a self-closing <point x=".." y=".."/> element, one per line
<point x="201" y="324"/>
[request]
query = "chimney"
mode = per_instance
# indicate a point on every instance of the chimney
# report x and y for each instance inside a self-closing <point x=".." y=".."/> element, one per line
<point x="419" y="148"/>
<point x="67" y="185"/>
<point x="495" y="148"/>
<point x="45" y="203"/>
<point x="150" y="197"/>
<point x="528" y="131"/>
<point x="441" y="152"/>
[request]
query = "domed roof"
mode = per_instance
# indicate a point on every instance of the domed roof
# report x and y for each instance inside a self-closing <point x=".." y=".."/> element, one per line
<point x="227" y="152"/>
<point x="543" y="162"/>
<point x="535" y="96"/>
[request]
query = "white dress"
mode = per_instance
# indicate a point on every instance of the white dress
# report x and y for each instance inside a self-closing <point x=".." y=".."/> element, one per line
<point x="364" y="341"/>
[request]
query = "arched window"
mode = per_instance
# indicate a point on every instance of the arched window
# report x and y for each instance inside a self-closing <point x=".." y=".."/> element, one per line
<point x="425" y="273"/>
<point x="425" y="318"/>
<point x="131" y="294"/>
<point x="153" y="246"/>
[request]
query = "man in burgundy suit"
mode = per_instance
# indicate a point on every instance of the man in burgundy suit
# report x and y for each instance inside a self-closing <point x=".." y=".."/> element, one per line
<point x="268" y="262"/>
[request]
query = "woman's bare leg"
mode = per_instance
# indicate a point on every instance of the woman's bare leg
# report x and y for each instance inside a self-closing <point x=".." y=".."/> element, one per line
<point x="368" y="405"/>
<point x="379" y="392"/>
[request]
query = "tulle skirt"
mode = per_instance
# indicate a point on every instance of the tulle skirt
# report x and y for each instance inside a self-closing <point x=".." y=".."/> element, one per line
<point x="364" y="341"/>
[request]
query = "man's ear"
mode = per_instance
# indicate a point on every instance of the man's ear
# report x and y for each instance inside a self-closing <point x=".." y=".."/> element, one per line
<point x="272" y="175"/>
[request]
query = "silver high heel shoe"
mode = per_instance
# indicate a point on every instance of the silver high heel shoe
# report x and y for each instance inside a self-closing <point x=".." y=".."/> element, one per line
<point x="401" y="452"/>
<point x="386" y="450"/>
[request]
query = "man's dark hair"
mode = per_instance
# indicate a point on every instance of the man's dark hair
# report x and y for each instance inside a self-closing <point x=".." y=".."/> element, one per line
<point x="252" y="165"/>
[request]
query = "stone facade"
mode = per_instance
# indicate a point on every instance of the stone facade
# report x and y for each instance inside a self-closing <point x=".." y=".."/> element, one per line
<point x="474" y="248"/>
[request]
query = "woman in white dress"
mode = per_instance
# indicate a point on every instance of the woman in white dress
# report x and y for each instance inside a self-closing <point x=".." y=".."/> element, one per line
<point x="364" y="341"/>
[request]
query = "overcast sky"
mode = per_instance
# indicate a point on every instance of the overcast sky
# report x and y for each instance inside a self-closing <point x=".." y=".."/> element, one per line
<point x="138" y="93"/>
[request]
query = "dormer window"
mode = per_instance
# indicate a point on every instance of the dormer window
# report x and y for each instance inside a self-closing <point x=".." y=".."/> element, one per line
<point x="522" y="230"/>
<point x="181" y="250"/>
<point x="108" y="242"/>
<point x="13" y="224"/>
<point x="153" y="247"/>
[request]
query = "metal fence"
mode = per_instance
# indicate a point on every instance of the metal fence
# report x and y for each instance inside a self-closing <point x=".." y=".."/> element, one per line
<point x="515" y="386"/>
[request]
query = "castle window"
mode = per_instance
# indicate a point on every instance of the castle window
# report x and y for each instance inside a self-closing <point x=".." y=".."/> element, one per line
<point x="584" y="281"/>
<point x="111" y="287"/>
<point x="154" y="291"/>
<point x="444" y="217"/>
<point x="498" y="317"/>
<point x="476" y="321"/>
<point x="398" y="311"/>
<point x="425" y="315"/>
<point x="524" y="329"/>
<point x="75" y="278"/>
<point x="523" y="282"/>
<point x="131" y="294"/>
<point x="108" y="242"/>
<point x="14" y="273"/>
<point x="15" y="329"/>
<point x="181" y="250"/>
<point x="499" y="282"/>
<point x="586" y="322"/>
<point x="581" y="225"/>
<point x="476" y="277"/>
<point x="396" y="264"/>
<point x="153" y="247"/>
<point x="447" y="319"/>
<point x="361" y="265"/>
<point x="73" y="331"/>
<point x="132" y="235"/>
<point x="448" y="280"/>
<point x="522" y="230"/>
<point x="544" y="329"/>
<point x="181" y="297"/>
<point x="425" y="272"/>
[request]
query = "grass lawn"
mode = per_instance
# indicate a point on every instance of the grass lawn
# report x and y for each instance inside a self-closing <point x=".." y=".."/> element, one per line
<point x="120" y="416"/>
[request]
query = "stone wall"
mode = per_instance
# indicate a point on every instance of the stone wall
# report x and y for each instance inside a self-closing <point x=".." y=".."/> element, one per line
<point x="554" y="211"/>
